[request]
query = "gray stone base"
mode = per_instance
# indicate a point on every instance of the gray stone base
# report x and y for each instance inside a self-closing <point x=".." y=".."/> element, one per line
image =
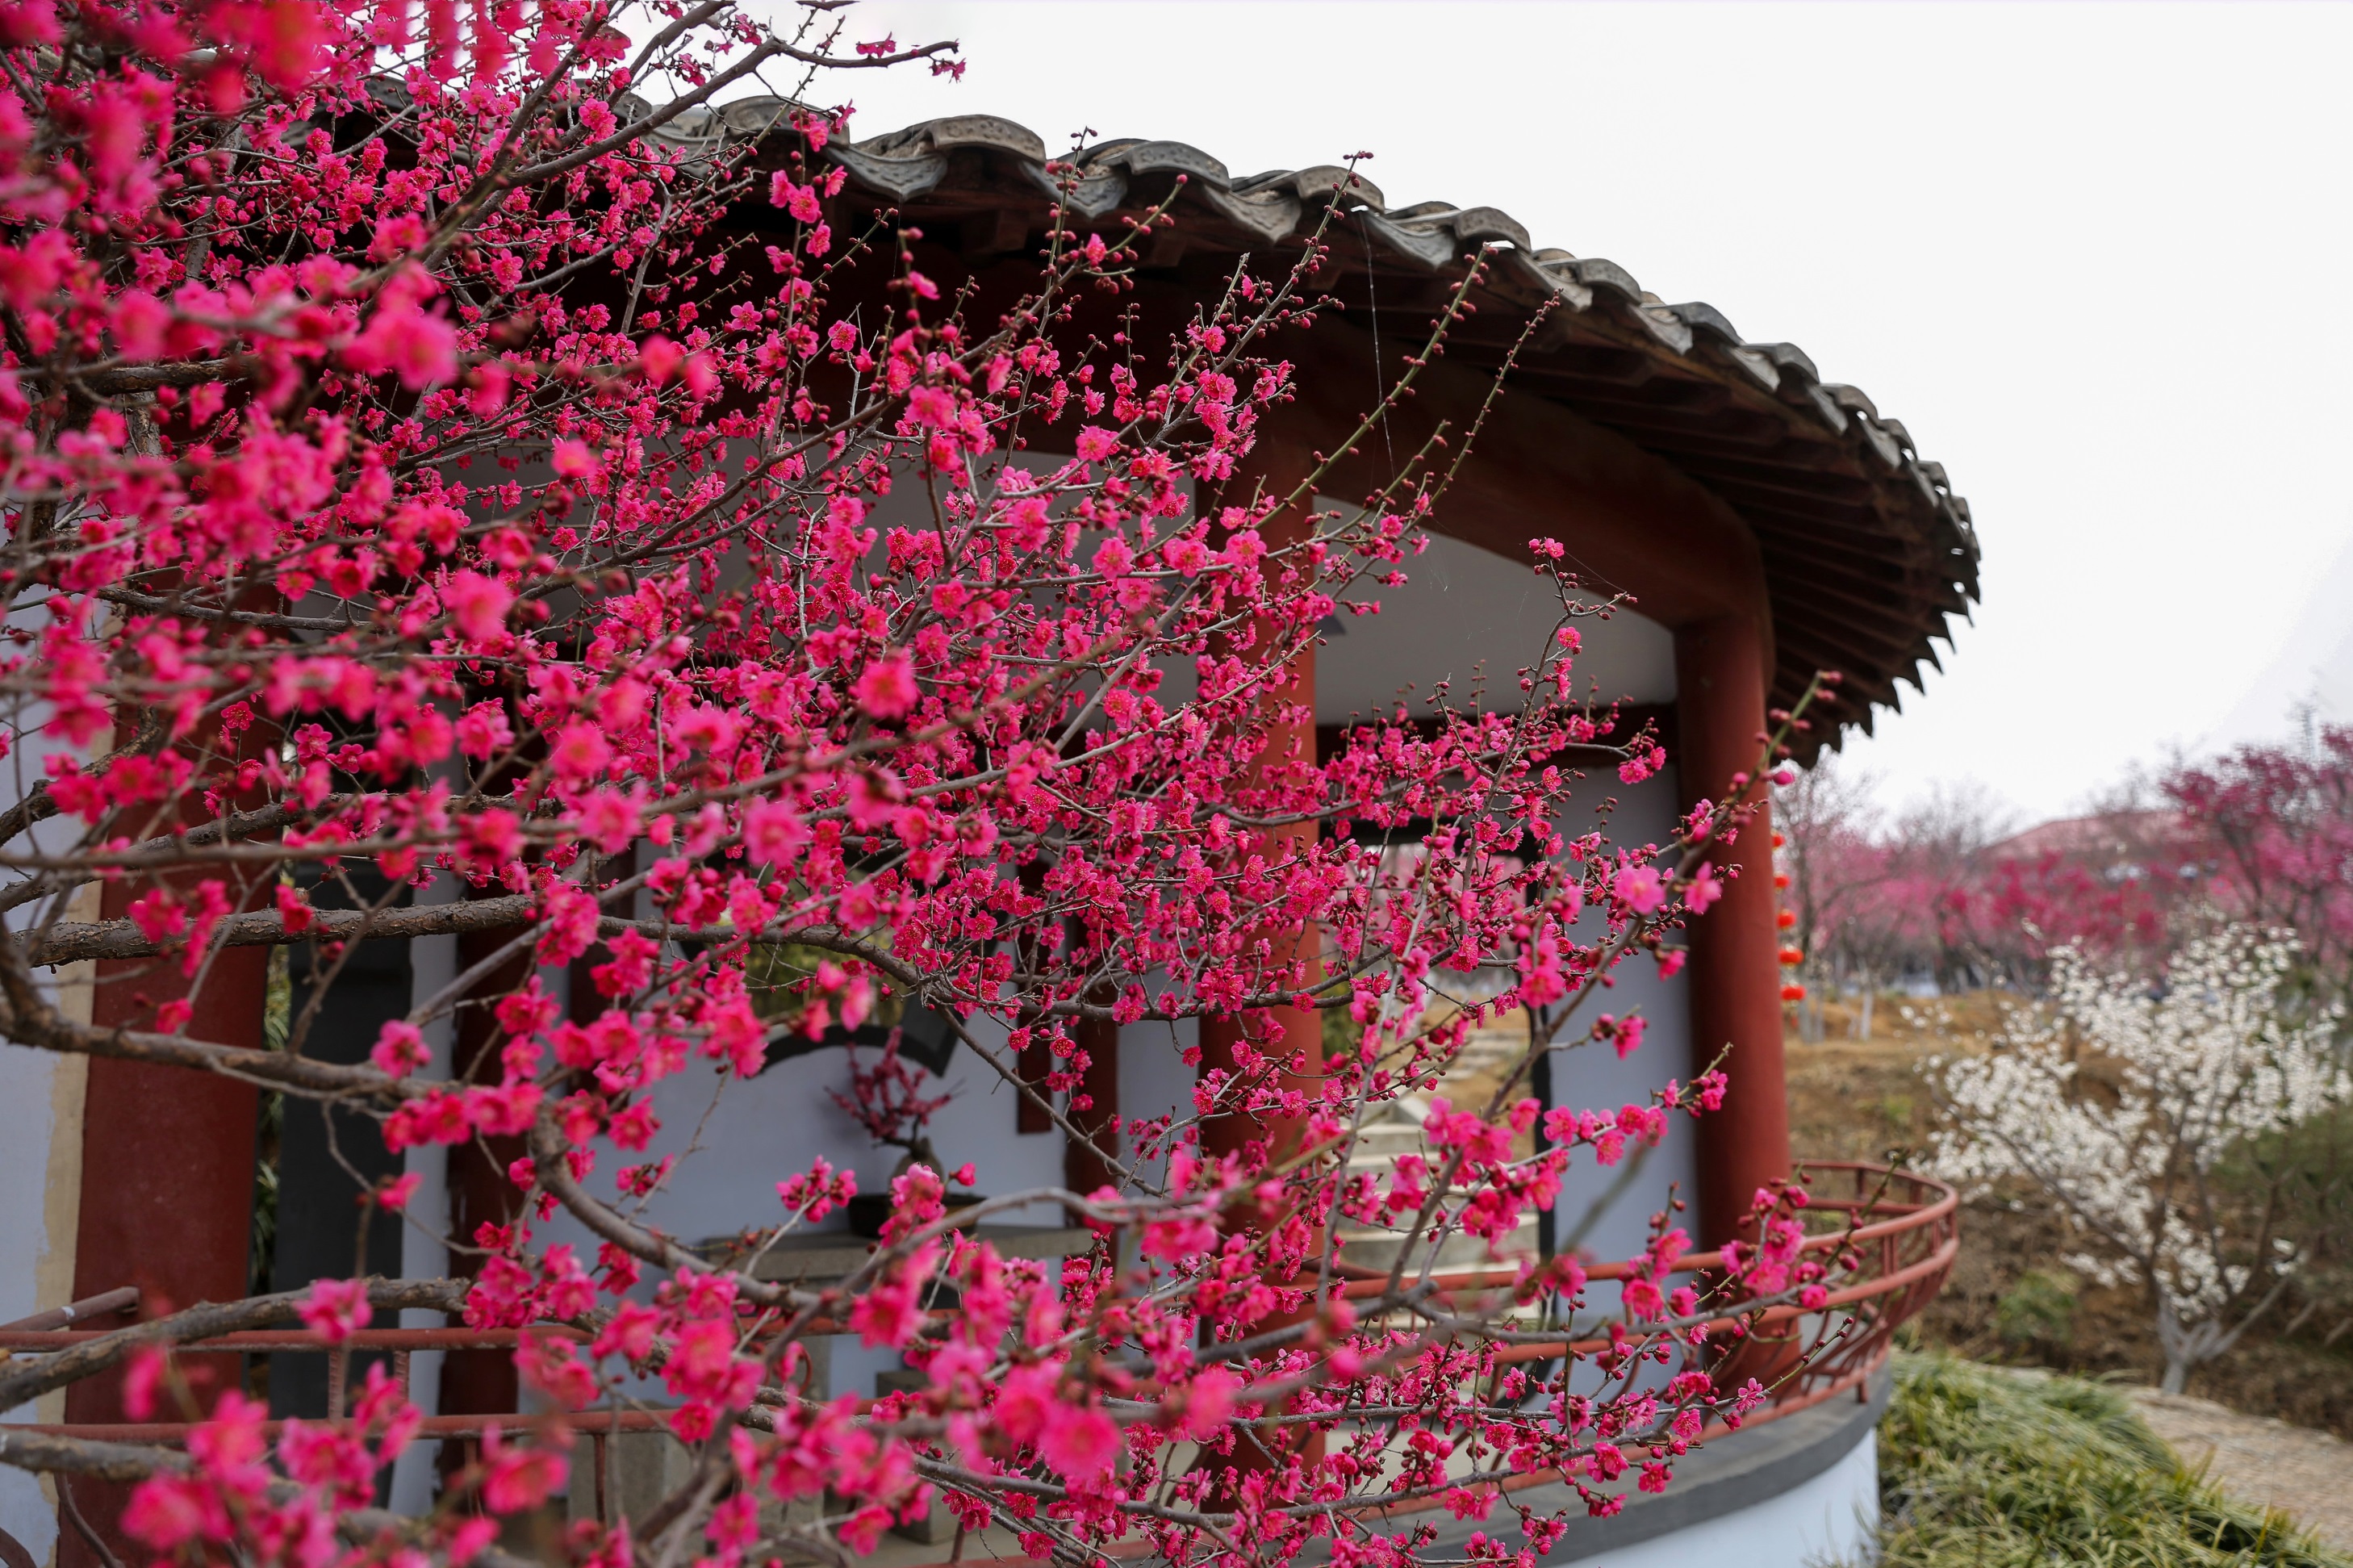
<point x="1731" y="1473"/>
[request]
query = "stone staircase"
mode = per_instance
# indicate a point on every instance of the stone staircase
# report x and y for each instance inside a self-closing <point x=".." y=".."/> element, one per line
<point x="1395" y="1130"/>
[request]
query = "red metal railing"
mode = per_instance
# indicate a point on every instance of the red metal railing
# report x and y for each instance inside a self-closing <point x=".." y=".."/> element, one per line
<point x="597" y="1422"/>
<point x="400" y="1344"/>
<point x="1902" y="1230"/>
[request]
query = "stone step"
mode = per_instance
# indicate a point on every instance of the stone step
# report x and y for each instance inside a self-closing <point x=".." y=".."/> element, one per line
<point x="1461" y="1252"/>
<point x="1389" y="1138"/>
<point x="1352" y="1227"/>
<point x="1527" y="1222"/>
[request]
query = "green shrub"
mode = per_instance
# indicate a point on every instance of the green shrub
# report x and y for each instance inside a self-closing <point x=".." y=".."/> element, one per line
<point x="1980" y="1469"/>
<point x="777" y="974"/>
<point x="2039" y="1309"/>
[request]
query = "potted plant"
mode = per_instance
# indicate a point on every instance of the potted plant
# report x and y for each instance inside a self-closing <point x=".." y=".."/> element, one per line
<point x="887" y="1100"/>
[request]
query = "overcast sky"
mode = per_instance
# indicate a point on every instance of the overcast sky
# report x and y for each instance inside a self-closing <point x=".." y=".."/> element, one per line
<point x="2095" y="257"/>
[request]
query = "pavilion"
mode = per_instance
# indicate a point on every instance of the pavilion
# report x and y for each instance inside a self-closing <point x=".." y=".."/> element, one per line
<point x="1768" y="524"/>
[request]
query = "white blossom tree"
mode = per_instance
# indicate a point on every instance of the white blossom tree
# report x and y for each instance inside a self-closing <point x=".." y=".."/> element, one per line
<point x="2128" y="1105"/>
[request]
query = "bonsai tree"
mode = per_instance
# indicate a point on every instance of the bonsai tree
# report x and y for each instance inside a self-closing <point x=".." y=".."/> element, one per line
<point x="887" y="1101"/>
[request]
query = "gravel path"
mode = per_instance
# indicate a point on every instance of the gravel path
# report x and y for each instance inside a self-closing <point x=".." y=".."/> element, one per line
<point x="2304" y="1474"/>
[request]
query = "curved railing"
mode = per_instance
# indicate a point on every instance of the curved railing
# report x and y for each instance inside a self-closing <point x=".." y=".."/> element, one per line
<point x="1906" y="1233"/>
<point x="1904" y="1230"/>
<point x="1901" y="1229"/>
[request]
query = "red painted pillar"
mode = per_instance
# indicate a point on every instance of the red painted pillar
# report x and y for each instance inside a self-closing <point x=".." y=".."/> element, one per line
<point x="1089" y="1165"/>
<point x="1296" y="1033"/>
<point x="167" y="1168"/>
<point x="1735" y="979"/>
<point x="476" y="1382"/>
<point x="167" y="1152"/>
<point x="483" y="1381"/>
<point x="1294" y="1036"/>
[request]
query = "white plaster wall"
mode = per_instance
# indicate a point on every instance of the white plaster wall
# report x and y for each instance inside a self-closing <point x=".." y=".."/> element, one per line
<point x="1830" y="1520"/>
<point x="1592" y="1077"/>
<point x="1464" y="613"/>
<point x="40" y="1188"/>
<point x="1154" y="1079"/>
<point x="40" y="1153"/>
<point x="423" y="1251"/>
<point x="736" y="1139"/>
<point x="29" y="1253"/>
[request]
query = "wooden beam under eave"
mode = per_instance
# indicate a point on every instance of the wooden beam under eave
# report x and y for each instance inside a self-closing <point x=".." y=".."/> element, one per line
<point x="1538" y="468"/>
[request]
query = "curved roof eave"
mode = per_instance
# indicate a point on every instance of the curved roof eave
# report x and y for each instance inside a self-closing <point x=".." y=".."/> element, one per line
<point x="1868" y="552"/>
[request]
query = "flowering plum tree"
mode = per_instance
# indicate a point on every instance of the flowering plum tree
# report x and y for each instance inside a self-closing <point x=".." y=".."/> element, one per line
<point x="2123" y="1107"/>
<point x="2269" y="828"/>
<point x="2261" y="836"/>
<point x="417" y="469"/>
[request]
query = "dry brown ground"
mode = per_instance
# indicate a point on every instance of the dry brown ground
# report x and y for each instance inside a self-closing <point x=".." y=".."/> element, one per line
<point x="1850" y="1100"/>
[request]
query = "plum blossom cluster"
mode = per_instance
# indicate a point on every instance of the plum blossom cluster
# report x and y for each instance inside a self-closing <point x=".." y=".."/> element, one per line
<point x="2123" y="1105"/>
<point x="430" y="468"/>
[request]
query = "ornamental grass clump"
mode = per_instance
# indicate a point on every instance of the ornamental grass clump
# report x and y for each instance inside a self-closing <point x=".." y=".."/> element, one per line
<point x="2152" y="1120"/>
<point x="1989" y="1469"/>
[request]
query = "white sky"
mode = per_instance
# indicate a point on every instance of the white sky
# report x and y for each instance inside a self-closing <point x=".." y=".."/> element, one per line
<point x="2095" y="257"/>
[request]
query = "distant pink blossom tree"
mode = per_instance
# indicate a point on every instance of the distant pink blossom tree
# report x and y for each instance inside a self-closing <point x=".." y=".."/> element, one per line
<point x="2260" y="837"/>
<point x="2268" y="831"/>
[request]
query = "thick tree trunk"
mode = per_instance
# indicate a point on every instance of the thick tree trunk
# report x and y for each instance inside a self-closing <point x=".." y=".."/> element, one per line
<point x="2186" y="1345"/>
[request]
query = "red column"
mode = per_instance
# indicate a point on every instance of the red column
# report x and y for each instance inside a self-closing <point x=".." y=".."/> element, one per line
<point x="168" y="1166"/>
<point x="1294" y="1036"/>
<point x="1295" y="1032"/>
<point x="1089" y="1165"/>
<point x="167" y="1152"/>
<point x="1736" y="980"/>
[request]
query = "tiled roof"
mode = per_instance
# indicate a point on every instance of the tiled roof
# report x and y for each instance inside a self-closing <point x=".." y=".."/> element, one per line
<point x="1868" y="553"/>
